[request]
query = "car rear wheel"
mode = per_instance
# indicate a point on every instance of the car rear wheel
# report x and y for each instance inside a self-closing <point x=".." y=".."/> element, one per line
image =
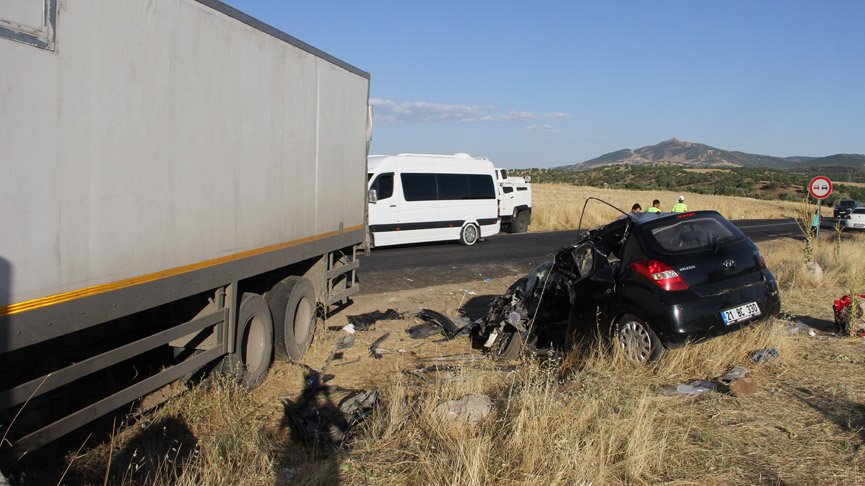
<point x="637" y="340"/>
<point x="469" y="234"/>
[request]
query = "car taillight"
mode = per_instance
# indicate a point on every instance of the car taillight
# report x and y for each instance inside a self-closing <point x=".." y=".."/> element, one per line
<point x="761" y="260"/>
<point x="661" y="274"/>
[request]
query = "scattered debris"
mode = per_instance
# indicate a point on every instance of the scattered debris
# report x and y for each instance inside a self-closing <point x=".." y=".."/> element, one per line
<point x="488" y="280"/>
<point x="744" y="387"/>
<point x="799" y="326"/>
<point x="423" y="331"/>
<point x="765" y="355"/>
<point x="696" y="387"/>
<point x="358" y="405"/>
<point x="444" y="323"/>
<point x="365" y="322"/>
<point x="374" y="348"/>
<point x="470" y="408"/>
<point x="349" y="328"/>
<point x="735" y="373"/>
<point x="458" y="357"/>
<point x="317" y="420"/>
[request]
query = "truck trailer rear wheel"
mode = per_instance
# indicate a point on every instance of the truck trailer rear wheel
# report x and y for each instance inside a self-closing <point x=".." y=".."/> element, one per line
<point x="293" y="305"/>
<point x="253" y="345"/>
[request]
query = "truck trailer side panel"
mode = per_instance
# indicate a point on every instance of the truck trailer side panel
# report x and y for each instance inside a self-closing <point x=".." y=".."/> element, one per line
<point x="161" y="146"/>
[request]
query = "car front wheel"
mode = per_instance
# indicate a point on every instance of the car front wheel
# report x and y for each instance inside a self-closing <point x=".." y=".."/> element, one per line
<point x="637" y="340"/>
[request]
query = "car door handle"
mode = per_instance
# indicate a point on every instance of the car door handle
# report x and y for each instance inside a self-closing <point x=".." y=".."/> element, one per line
<point x="393" y="205"/>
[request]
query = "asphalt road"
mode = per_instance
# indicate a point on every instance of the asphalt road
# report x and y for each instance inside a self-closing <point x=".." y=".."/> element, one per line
<point x="415" y="266"/>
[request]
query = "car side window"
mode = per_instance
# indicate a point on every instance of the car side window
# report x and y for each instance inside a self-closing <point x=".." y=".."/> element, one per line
<point x="383" y="186"/>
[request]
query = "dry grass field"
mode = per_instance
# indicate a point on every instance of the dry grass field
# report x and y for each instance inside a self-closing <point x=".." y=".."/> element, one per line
<point x="559" y="206"/>
<point x="591" y="418"/>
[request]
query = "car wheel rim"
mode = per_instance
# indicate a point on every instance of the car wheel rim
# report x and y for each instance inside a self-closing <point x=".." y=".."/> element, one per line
<point x="302" y="319"/>
<point x="253" y="343"/>
<point x="635" y="341"/>
<point x="470" y="234"/>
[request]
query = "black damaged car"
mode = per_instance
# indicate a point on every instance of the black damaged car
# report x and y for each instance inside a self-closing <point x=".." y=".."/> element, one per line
<point x="650" y="281"/>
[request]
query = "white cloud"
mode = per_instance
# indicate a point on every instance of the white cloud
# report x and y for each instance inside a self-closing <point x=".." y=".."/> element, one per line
<point x="543" y="128"/>
<point x="424" y="111"/>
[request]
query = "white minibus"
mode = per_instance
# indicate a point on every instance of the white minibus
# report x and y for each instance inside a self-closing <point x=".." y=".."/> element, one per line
<point x="416" y="198"/>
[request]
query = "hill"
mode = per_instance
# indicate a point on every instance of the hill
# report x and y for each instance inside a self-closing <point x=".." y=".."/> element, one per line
<point x="683" y="152"/>
<point x="760" y="183"/>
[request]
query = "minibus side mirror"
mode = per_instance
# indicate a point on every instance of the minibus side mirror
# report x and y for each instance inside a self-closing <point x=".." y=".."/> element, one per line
<point x="373" y="196"/>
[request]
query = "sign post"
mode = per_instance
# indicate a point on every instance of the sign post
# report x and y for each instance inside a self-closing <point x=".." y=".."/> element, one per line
<point x="820" y="187"/>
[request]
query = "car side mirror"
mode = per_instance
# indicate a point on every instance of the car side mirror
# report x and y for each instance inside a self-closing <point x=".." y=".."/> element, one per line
<point x="373" y="196"/>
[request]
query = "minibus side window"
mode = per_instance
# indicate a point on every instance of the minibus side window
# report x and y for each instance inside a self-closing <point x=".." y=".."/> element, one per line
<point x="453" y="187"/>
<point x="482" y="186"/>
<point x="383" y="186"/>
<point x="419" y="187"/>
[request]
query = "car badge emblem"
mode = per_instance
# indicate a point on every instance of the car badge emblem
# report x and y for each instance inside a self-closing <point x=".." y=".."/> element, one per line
<point x="728" y="263"/>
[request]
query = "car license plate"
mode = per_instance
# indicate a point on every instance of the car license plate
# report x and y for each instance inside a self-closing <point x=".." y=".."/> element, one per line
<point x="740" y="313"/>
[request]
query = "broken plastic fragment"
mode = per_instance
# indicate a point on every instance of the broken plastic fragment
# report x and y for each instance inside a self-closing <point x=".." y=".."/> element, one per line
<point x="765" y="355"/>
<point x="696" y="387"/>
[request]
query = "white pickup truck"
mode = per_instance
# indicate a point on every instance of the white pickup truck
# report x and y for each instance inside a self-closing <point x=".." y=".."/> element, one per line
<point x="515" y="202"/>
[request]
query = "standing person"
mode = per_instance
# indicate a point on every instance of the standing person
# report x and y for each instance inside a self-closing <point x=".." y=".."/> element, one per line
<point x="636" y="208"/>
<point x="656" y="207"/>
<point x="680" y="207"/>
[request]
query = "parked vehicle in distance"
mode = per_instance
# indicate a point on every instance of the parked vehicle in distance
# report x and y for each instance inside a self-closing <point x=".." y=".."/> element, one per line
<point x="855" y="220"/>
<point x="844" y="207"/>
<point x="646" y="280"/>
<point x="515" y="202"/>
<point x="415" y="198"/>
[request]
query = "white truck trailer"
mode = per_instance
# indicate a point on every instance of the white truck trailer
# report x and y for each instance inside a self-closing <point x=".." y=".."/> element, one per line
<point x="181" y="187"/>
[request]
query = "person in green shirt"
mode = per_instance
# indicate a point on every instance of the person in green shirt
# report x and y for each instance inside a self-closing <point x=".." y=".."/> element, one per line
<point x="680" y="207"/>
<point x="656" y="207"/>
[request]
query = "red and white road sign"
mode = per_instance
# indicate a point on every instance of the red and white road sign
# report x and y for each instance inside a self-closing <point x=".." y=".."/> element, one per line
<point x="820" y="187"/>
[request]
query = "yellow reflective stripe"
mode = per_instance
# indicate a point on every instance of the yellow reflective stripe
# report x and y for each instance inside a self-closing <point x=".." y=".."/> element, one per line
<point x="150" y="277"/>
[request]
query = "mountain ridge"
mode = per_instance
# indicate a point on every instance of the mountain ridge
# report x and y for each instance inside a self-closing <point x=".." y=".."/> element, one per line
<point x="683" y="152"/>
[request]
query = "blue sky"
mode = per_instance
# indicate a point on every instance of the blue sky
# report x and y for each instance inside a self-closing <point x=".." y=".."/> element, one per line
<point x="545" y="83"/>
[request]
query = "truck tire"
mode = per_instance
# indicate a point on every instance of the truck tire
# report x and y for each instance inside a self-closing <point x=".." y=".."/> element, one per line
<point x="520" y="223"/>
<point x="470" y="234"/>
<point x="293" y="306"/>
<point x="253" y="344"/>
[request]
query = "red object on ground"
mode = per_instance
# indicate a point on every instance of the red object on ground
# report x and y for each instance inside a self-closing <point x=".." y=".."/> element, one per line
<point x="839" y="306"/>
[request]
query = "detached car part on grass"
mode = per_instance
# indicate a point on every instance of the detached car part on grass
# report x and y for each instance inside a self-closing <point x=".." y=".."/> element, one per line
<point x="649" y="281"/>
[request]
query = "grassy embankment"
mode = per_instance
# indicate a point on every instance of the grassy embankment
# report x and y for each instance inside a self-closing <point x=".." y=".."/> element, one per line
<point x="558" y="206"/>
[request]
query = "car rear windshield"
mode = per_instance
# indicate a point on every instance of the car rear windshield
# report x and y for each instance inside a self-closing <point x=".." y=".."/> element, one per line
<point x="687" y="233"/>
<point x="847" y="204"/>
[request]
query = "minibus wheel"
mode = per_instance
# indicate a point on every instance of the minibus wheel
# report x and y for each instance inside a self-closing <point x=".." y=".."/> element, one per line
<point x="469" y="234"/>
